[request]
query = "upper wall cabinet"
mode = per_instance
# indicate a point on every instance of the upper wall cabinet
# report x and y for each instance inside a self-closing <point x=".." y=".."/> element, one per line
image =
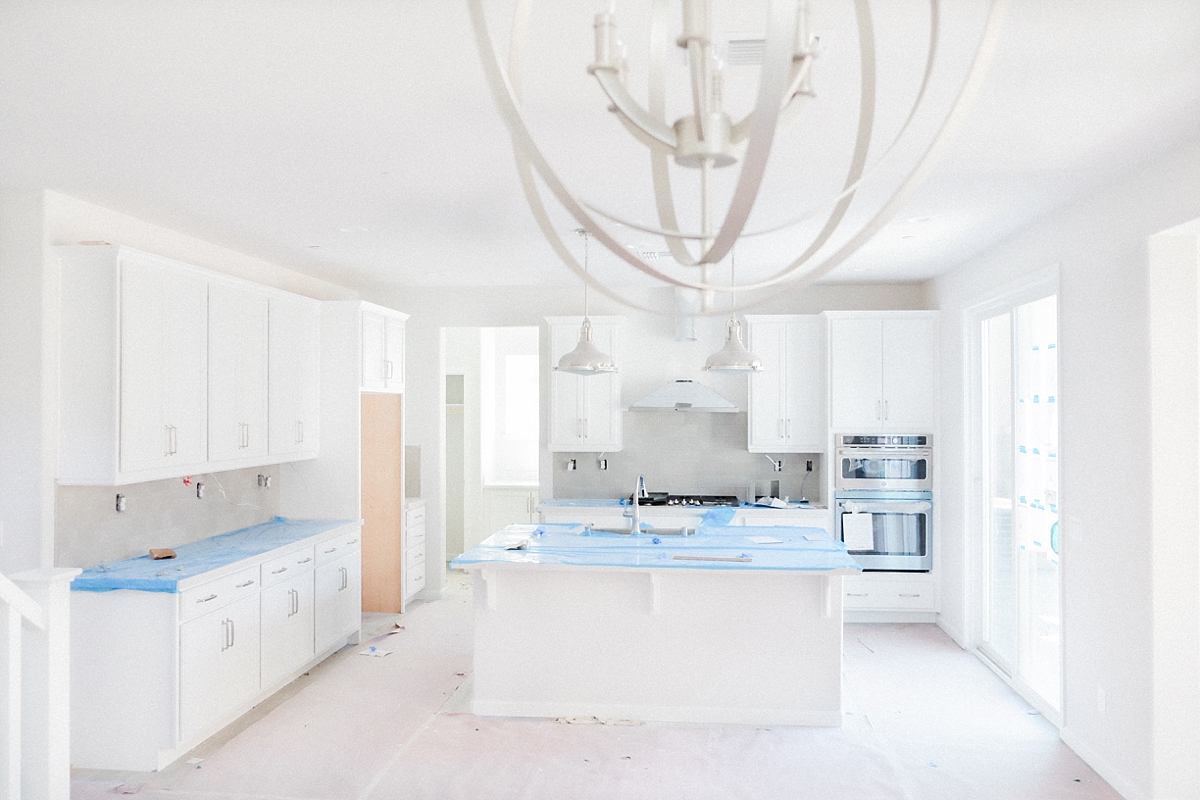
<point x="294" y="388"/>
<point x="881" y="370"/>
<point x="786" y="401"/>
<point x="382" y="349"/>
<point x="163" y="368"/>
<point x="585" y="410"/>
<point x="237" y="373"/>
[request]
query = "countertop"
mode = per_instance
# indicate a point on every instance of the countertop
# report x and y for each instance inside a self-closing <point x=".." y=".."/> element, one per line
<point x="147" y="575"/>
<point x="623" y="503"/>
<point x="714" y="546"/>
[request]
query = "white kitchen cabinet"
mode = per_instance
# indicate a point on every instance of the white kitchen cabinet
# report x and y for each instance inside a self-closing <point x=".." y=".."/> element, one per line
<point x="414" y="548"/>
<point x="287" y="616"/>
<point x="218" y="664"/>
<point x="167" y="369"/>
<point x="294" y="391"/>
<point x="154" y="673"/>
<point x="237" y="373"/>
<point x="133" y="364"/>
<point x="891" y="592"/>
<point x="584" y="410"/>
<point x="338" y="588"/>
<point x="786" y="401"/>
<point x="382" y="349"/>
<point x="881" y="371"/>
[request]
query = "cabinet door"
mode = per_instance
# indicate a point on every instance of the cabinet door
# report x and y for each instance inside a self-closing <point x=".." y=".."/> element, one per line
<point x="601" y="406"/>
<point x="338" y="599"/>
<point x="908" y="373"/>
<point x="855" y="374"/>
<point x="804" y="378"/>
<point x="237" y="373"/>
<point x="287" y="627"/>
<point x="566" y="426"/>
<point x="765" y="417"/>
<point x="374" y="351"/>
<point x="393" y="362"/>
<point x="294" y="385"/>
<point x="163" y="367"/>
<point x="218" y="664"/>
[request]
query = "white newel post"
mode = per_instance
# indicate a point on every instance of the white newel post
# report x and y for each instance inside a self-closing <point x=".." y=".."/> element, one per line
<point x="45" y="699"/>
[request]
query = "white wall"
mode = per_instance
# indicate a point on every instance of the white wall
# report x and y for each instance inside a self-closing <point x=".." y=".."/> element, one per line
<point x="653" y="356"/>
<point x="1100" y="248"/>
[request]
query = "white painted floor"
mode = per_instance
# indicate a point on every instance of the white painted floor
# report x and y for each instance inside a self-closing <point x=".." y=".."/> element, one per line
<point x="924" y="721"/>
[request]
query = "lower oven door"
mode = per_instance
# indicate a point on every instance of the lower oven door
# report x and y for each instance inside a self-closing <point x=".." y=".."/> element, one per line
<point x="891" y="533"/>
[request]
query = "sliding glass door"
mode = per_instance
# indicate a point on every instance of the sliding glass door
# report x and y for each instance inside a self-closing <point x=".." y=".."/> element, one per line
<point x="1019" y="455"/>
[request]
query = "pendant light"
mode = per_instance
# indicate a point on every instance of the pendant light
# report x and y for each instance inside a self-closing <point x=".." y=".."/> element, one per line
<point x="586" y="358"/>
<point x="733" y="357"/>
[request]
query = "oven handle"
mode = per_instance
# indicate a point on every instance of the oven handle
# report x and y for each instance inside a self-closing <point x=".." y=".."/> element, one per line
<point x="886" y="452"/>
<point x="902" y="507"/>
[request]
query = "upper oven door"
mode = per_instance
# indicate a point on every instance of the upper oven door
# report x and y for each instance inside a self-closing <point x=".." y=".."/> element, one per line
<point x="908" y="470"/>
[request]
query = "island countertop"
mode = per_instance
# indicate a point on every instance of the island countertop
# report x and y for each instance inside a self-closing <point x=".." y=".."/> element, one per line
<point x="714" y="546"/>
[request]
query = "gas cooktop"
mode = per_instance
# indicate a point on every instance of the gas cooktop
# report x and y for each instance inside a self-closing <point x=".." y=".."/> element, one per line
<point x="664" y="499"/>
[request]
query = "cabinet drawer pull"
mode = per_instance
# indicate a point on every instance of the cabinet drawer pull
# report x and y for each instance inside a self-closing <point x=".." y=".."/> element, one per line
<point x="232" y="634"/>
<point x="305" y="561"/>
<point x="885" y="409"/>
<point x="787" y="429"/>
<point x="244" y="585"/>
<point x="331" y="550"/>
<point x="352" y="541"/>
<point x="206" y="599"/>
<point x="857" y="594"/>
<point x="277" y="571"/>
<point x="387" y="370"/>
<point x="902" y="594"/>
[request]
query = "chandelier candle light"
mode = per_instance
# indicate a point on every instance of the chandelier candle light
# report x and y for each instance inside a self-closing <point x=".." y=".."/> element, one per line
<point x="708" y="138"/>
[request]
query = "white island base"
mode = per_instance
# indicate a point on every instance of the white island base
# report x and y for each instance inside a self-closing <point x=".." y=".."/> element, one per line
<point x="663" y="645"/>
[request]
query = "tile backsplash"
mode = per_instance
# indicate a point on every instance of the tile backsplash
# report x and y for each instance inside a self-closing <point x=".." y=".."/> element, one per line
<point x="685" y="453"/>
<point x="89" y="530"/>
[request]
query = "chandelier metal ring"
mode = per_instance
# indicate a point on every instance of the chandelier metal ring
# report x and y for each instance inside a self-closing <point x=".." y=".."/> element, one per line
<point x="530" y="159"/>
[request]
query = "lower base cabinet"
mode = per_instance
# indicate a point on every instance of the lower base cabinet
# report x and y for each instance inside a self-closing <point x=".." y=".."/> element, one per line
<point x="153" y="674"/>
<point x="890" y="591"/>
<point x="218" y="664"/>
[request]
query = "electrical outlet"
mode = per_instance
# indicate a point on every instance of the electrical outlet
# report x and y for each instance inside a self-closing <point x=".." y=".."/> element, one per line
<point x="808" y="466"/>
<point x="778" y="464"/>
<point x="571" y="465"/>
<point x="199" y="490"/>
<point x="120" y="503"/>
<point x="603" y="464"/>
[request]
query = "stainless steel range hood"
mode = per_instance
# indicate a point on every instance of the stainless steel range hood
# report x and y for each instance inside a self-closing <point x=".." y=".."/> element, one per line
<point x="684" y="395"/>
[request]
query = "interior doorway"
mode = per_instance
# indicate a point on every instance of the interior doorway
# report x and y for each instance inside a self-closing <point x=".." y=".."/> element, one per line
<point x="492" y="384"/>
<point x="1017" y="446"/>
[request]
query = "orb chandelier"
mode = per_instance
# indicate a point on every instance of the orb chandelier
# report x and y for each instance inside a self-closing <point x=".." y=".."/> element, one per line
<point x="708" y="138"/>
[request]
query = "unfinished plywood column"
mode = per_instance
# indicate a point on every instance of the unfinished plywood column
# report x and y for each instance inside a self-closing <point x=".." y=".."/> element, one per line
<point x="382" y="450"/>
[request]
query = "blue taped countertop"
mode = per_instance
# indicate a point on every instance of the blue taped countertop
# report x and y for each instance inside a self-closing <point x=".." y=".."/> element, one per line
<point x="147" y="575"/>
<point x="567" y="544"/>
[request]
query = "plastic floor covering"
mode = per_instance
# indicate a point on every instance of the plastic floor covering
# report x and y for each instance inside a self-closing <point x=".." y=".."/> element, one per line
<point x="923" y="721"/>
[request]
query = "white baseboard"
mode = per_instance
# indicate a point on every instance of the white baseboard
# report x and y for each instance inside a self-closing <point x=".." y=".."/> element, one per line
<point x="958" y="636"/>
<point x="1102" y="767"/>
<point x="855" y="615"/>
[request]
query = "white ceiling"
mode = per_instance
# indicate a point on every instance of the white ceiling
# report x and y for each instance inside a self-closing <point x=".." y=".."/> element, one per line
<point x="356" y="141"/>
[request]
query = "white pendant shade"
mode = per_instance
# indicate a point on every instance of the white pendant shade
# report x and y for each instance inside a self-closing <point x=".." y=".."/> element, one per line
<point x="586" y="358"/>
<point x="733" y="357"/>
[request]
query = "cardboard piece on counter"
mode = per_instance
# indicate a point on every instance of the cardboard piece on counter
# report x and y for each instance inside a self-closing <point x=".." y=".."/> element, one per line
<point x="159" y="553"/>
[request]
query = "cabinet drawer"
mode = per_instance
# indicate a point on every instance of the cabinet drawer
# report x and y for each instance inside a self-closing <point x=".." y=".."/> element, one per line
<point x="416" y="578"/>
<point x="414" y="516"/>
<point x="415" y="556"/>
<point x="286" y="567"/>
<point x="905" y="594"/>
<point x="212" y="595"/>
<point x="335" y="547"/>
<point x="416" y="536"/>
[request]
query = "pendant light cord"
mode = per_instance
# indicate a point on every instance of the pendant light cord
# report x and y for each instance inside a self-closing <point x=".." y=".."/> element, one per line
<point x="585" y="271"/>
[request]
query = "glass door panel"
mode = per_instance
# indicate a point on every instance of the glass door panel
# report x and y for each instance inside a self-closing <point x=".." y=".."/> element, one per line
<point x="1021" y="630"/>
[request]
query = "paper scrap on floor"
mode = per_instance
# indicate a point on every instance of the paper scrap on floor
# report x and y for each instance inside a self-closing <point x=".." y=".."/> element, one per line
<point x="766" y="539"/>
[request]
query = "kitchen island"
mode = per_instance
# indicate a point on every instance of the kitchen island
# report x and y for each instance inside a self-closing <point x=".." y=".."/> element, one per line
<point x="735" y="624"/>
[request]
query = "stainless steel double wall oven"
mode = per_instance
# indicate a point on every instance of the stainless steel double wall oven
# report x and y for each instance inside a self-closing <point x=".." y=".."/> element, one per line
<point x="883" y="496"/>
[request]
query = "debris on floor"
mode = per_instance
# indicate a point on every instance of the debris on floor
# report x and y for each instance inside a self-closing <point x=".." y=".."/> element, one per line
<point x="193" y="761"/>
<point x="128" y="788"/>
<point x="596" y="721"/>
<point x="374" y="651"/>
